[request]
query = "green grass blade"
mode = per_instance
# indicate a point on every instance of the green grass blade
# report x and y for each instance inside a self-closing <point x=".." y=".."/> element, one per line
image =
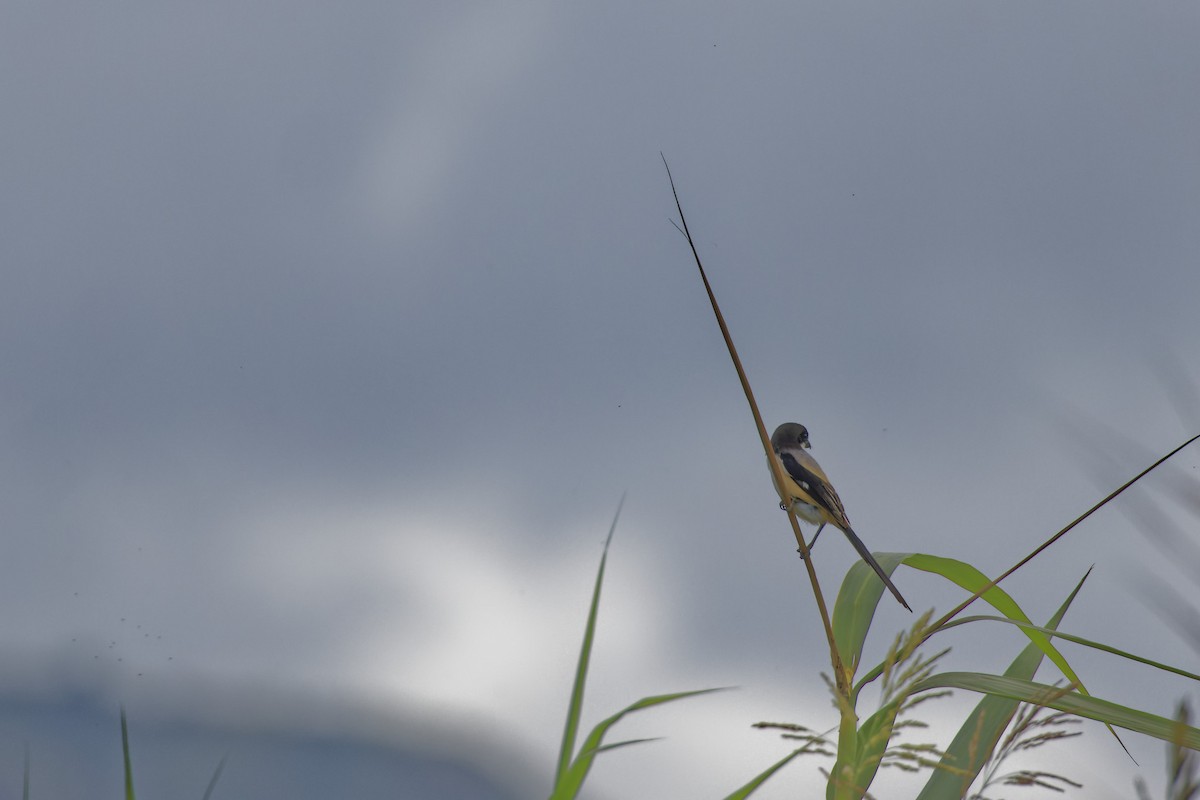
<point x="1111" y="714"/>
<point x="1070" y="637"/>
<point x="977" y="738"/>
<point x="575" y="706"/>
<point x="572" y="780"/>
<point x="972" y="580"/>
<point x="873" y="738"/>
<point x="128" y="763"/>
<point x="761" y="778"/>
<point x="854" y="609"/>
<point x="604" y="748"/>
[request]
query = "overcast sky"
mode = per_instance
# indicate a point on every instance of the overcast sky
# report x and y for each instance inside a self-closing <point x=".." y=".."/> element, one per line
<point x="332" y="334"/>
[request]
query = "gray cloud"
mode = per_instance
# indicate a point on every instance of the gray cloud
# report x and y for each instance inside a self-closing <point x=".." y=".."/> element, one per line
<point x="294" y="300"/>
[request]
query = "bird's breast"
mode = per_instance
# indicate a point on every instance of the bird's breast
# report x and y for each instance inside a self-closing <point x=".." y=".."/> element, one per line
<point x="806" y="511"/>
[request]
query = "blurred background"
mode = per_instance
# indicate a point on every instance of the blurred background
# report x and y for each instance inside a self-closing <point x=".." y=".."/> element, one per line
<point x="331" y="335"/>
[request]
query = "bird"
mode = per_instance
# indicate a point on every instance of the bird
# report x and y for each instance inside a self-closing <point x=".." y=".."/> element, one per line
<point x="810" y="495"/>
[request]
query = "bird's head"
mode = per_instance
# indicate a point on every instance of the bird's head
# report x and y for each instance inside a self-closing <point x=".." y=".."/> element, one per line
<point x="790" y="434"/>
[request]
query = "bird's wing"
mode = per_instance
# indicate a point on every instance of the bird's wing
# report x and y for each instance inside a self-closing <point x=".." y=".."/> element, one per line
<point x="805" y="471"/>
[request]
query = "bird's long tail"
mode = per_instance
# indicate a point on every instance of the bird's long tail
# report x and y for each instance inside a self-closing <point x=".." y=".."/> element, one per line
<point x="870" y="559"/>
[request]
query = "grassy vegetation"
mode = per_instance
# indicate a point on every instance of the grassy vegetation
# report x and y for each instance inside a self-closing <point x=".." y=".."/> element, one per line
<point x="867" y="740"/>
<point x="1032" y="714"/>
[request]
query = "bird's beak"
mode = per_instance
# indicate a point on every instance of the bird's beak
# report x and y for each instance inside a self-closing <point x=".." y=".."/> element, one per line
<point x="806" y="444"/>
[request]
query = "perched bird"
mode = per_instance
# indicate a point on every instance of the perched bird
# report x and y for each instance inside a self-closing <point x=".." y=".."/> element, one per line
<point x="812" y="497"/>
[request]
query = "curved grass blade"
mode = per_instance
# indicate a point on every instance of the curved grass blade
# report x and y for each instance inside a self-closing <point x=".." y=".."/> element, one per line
<point x="873" y="738"/>
<point x="977" y="738"/>
<point x="1111" y="714"/>
<point x="1070" y="637"/>
<point x="761" y="778"/>
<point x="854" y="609"/>
<point x="571" y="782"/>
<point x="974" y="581"/>
<point x="125" y="751"/>
<point x="575" y="706"/>
<point x="971" y="579"/>
<point x="616" y="745"/>
<point x="979" y="585"/>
